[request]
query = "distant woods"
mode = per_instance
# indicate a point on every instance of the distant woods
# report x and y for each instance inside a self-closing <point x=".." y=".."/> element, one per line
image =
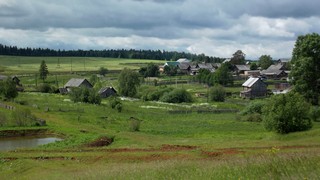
<point x="110" y="53"/>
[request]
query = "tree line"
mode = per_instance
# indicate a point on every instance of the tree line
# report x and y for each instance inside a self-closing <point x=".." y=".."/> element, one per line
<point x="111" y="53"/>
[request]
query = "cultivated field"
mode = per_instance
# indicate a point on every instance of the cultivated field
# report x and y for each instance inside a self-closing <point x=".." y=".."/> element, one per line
<point x="175" y="141"/>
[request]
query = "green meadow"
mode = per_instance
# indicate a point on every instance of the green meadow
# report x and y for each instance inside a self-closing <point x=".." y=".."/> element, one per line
<point x="175" y="141"/>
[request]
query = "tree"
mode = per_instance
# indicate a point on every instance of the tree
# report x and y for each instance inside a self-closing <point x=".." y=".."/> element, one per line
<point x="8" y="89"/>
<point x="223" y="75"/>
<point x="253" y="66"/>
<point x="128" y="82"/>
<point x="170" y="70"/>
<point x="43" y="70"/>
<point x="265" y="61"/>
<point x="152" y="70"/>
<point x="103" y="71"/>
<point x="217" y="93"/>
<point x="287" y="113"/>
<point x="305" y="67"/>
<point x="238" y="58"/>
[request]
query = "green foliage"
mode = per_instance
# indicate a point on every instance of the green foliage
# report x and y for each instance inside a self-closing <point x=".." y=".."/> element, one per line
<point x="305" y="67"/>
<point x="287" y="113"/>
<point x="134" y="125"/>
<point x="153" y="93"/>
<point x="177" y="96"/>
<point x="152" y="70"/>
<point x="128" y="82"/>
<point x="3" y="118"/>
<point x="238" y="57"/>
<point x="46" y="88"/>
<point x="265" y="61"/>
<point x="114" y="101"/>
<point x="253" y="66"/>
<point x="103" y="71"/>
<point x="93" y="79"/>
<point x="43" y="70"/>
<point x="223" y="75"/>
<point x="217" y="93"/>
<point x="8" y="89"/>
<point x="315" y="113"/>
<point x="170" y="70"/>
<point x="253" y="107"/>
<point x="85" y="95"/>
<point x="23" y="117"/>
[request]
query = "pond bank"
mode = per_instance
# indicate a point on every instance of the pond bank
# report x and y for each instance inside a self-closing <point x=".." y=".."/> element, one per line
<point x="23" y="132"/>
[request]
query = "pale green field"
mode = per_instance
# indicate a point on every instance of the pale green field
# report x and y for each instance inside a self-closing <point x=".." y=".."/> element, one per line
<point x="25" y="65"/>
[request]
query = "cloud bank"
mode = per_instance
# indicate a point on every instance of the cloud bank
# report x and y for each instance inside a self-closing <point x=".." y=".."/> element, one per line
<point x="214" y="27"/>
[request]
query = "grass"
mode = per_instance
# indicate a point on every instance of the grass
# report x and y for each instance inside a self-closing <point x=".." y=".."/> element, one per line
<point x="167" y="145"/>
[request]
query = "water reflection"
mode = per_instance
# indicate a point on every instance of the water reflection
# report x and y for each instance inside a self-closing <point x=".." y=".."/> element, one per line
<point x="7" y="144"/>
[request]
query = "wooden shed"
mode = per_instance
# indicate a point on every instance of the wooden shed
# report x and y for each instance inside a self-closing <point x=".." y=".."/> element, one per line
<point x="253" y="87"/>
<point x="107" y="92"/>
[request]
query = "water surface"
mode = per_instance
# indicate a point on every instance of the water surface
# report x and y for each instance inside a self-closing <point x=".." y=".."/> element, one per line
<point x="13" y="143"/>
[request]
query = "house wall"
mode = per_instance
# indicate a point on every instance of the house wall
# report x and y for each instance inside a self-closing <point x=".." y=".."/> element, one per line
<point x="259" y="89"/>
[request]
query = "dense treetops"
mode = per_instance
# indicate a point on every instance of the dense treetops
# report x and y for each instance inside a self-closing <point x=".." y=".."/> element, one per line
<point x="111" y="53"/>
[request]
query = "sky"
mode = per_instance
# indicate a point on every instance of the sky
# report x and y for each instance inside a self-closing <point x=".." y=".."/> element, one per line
<point x="213" y="27"/>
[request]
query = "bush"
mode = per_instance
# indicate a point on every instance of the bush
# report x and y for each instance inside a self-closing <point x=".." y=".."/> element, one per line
<point x="46" y="88"/>
<point x="287" y="113"/>
<point x="85" y="95"/>
<point x="134" y="125"/>
<point x="255" y="117"/>
<point x="253" y="107"/>
<point x="115" y="103"/>
<point x="177" y="96"/>
<point x="217" y="93"/>
<point x="23" y="117"/>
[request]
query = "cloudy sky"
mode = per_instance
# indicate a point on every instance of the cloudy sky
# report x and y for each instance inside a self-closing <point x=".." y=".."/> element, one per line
<point x="214" y="27"/>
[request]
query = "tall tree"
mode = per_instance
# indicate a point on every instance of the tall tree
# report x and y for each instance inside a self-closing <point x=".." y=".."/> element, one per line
<point x="43" y="70"/>
<point x="306" y="67"/>
<point x="223" y="75"/>
<point x="265" y="61"/>
<point x="238" y="57"/>
<point x="128" y="82"/>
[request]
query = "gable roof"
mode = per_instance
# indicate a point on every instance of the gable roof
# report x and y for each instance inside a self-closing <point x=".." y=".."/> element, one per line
<point x="243" y="67"/>
<point x="274" y="69"/>
<point x="105" y="89"/>
<point x="183" y="60"/>
<point x="171" y="63"/>
<point x="250" y="82"/>
<point x="184" y="66"/>
<point x="76" y="82"/>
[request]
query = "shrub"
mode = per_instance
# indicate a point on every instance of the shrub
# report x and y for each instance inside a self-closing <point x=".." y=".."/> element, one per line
<point x="217" y="93"/>
<point x="134" y="124"/>
<point x="45" y="88"/>
<point x="253" y="107"/>
<point x="85" y="95"/>
<point x="255" y="117"/>
<point x="287" y="113"/>
<point x="115" y="103"/>
<point x="177" y="96"/>
<point x="23" y="117"/>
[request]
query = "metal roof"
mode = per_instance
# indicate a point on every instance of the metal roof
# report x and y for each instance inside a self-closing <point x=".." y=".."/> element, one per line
<point x="74" y="82"/>
<point x="250" y="82"/>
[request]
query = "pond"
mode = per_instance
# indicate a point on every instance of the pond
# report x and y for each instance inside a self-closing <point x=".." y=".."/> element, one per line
<point x="13" y="143"/>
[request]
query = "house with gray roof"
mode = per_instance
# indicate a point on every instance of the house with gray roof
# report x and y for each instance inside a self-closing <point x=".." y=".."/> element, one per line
<point x="254" y="87"/>
<point x="183" y="60"/>
<point x="107" y="92"/>
<point x="76" y="83"/>
<point x="275" y="71"/>
<point x="240" y="69"/>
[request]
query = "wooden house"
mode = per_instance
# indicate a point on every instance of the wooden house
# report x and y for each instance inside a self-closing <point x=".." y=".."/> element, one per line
<point x="76" y="83"/>
<point x="253" y="87"/>
<point x="107" y="92"/>
<point x="275" y="71"/>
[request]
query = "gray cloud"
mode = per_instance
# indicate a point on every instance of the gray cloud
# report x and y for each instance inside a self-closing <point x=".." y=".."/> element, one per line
<point x="214" y="27"/>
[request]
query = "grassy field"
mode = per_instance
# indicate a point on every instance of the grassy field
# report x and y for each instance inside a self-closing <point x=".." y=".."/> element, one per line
<point x="181" y="145"/>
<point x="31" y="65"/>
